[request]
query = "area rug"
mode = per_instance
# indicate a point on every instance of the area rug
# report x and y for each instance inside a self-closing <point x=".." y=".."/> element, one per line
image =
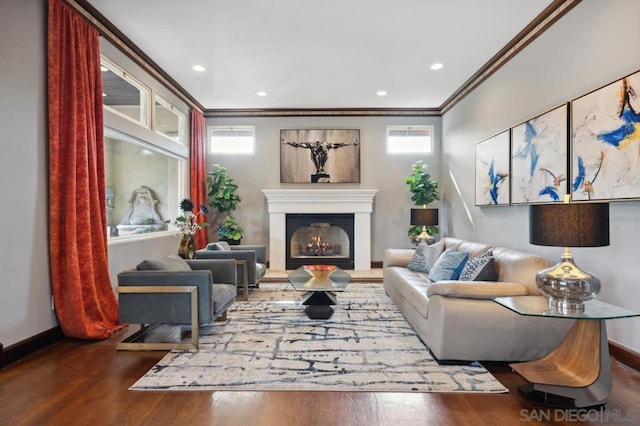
<point x="268" y="343"/>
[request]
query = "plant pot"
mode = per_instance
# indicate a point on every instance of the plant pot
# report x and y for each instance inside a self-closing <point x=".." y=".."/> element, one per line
<point x="231" y="242"/>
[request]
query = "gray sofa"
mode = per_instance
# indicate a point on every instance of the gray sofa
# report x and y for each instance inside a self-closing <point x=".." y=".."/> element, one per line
<point x="174" y="291"/>
<point x="459" y="321"/>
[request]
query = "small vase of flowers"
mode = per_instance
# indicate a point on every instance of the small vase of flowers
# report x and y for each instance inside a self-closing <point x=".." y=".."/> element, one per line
<point x="188" y="224"/>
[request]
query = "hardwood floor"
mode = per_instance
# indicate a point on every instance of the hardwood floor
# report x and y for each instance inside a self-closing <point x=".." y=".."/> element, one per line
<point x="81" y="383"/>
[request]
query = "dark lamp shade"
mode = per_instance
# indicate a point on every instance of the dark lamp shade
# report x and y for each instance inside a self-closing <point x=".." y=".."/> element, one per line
<point x="424" y="217"/>
<point x="569" y="224"/>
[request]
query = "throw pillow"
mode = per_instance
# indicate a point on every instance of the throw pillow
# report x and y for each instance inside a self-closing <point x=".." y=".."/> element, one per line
<point x="169" y="263"/>
<point x="449" y="265"/>
<point x="480" y="268"/>
<point x="425" y="256"/>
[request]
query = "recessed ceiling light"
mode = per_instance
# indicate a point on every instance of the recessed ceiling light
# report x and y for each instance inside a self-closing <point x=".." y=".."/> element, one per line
<point x="381" y="93"/>
<point x="198" y="68"/>
<point x="261" y="93"/>
<point x="436" y="66"/>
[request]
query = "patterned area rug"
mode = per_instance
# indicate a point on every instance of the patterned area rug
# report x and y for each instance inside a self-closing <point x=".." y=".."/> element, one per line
<point x="268" y="343"/>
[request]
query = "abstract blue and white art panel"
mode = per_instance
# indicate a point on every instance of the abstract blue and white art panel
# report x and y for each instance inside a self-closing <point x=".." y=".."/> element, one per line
<point x="539" y="158"/>
<point x="606" y="142"/>
<point x="492" y="170"/>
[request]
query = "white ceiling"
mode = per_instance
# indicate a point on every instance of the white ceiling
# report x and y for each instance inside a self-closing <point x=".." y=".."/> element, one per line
<point x="320" y="54"/>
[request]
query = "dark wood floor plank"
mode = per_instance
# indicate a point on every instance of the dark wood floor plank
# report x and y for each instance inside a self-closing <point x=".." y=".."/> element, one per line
<point x="86" y="383"/>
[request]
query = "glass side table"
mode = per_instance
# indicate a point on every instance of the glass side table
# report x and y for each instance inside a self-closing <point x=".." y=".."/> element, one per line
<point x="578" y="372"/>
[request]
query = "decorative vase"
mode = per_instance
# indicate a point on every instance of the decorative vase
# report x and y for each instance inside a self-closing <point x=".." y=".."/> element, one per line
<point x="187" y="248"/>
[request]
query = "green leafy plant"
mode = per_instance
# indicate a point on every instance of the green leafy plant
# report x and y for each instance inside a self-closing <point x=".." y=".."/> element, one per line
<point x="230" y="231"/>
<point x="221" y="190"/>
<point x="423" y="189"/>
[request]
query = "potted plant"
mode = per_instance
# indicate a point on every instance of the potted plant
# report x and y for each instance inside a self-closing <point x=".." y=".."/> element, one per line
<point x="424" y="191"/>
<point x="223" y="197"/>
<point x="230" y="231"/>
<point x="221" y="190"/>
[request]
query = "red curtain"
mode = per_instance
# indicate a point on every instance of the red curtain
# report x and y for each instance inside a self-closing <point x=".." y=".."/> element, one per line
<point x="198" y="174"/>
<point x="84" y="299"/>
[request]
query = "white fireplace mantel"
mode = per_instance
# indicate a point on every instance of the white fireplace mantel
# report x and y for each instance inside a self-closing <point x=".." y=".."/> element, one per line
<point x="356" y="201"/>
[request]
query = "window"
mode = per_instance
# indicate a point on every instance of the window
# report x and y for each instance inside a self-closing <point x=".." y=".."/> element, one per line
<point x="123" y="94"/>
<point x="409" y="139"/>
<point x="143" y="185"/>
<point x="168" y="120"/>
<point x="231" y="140"/>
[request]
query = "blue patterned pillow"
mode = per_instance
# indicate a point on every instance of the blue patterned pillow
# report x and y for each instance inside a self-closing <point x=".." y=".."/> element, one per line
<point x="480" y="268"/>
<point x="449" y="265"/>
<point x="425" y="256"/>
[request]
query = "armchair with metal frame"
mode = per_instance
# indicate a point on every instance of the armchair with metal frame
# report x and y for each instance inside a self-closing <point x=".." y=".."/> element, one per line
<point x="251" y="262"/>
<point x="162" y="298"/>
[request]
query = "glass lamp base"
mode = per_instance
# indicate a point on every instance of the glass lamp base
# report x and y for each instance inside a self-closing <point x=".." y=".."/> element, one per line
<point x="567" y="286"/>
<point x="565" y="306"/>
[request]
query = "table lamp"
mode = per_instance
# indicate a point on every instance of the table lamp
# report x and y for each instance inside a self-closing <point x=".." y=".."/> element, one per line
<point x="568" y="225"/>
<point x="424" y="217"/>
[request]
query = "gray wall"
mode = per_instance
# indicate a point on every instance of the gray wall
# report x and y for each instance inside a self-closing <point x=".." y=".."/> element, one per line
<point x="589" y="47"/>
<point x="25" y="292"/>
<point x="378" y="170"/>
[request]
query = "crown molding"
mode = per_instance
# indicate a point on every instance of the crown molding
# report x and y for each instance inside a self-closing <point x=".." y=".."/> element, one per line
<point x="129" y="48"/>
<point x="323" y="112"/>
<point x="552" y="13"/>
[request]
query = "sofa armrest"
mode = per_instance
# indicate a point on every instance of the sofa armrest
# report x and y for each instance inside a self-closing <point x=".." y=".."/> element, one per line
<point x="397" y="257"/>
<point x="476" y="289"/>
<point x="260" y="249"/>
<point x="223" y="270"/>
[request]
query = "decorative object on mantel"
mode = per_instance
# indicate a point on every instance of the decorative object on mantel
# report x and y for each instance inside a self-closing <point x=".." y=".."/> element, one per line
<point x="568" y="225"/>
<point x="424" y="191"/>
<point x="539" y="158"/>
<point x="320" y="156"/>
<point x="188" y="224"/>
<point x="221" y="190"/>
<point x="492" y="170"/>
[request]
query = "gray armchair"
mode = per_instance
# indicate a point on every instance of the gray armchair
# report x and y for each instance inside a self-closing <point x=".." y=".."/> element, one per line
<point x="251" y="261"/>
<point x="174" y="291"/>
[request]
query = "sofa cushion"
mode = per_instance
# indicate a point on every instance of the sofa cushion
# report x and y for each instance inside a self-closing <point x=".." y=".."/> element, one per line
<point x="425" y="256"/>
<point x="169" y="263"/>
<point x="449" y="265"/>
<point x="480" y="268"/>
<point x="476" y="290"/>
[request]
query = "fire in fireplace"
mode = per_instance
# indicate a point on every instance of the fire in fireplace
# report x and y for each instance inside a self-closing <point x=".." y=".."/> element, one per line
<point x="319" y="239"/>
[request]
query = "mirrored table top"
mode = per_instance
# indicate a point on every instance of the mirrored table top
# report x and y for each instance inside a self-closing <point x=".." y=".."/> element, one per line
<point x="538" y="306"/>
<point x="319" y="278"/>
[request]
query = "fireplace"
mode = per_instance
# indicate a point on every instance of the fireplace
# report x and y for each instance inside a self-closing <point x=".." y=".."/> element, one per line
<point x="358" y="202"/>
<point x="313" y="239"/>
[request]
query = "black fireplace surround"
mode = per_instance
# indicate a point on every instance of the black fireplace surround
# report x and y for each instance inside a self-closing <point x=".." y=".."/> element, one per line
<point x="314" y="250"/>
